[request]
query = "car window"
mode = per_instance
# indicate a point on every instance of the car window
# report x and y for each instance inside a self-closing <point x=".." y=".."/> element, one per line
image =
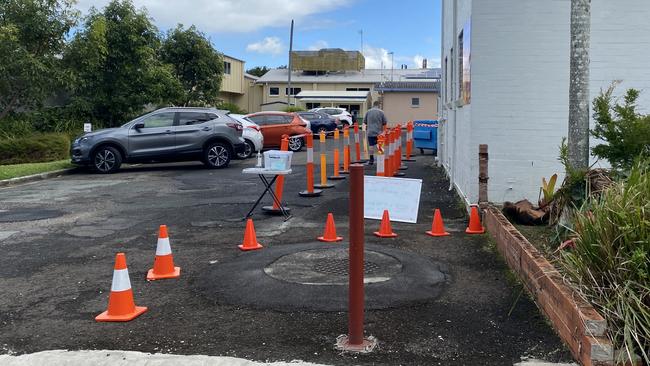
<point x="257" y="119"/>
<point x="287" y="119"/>
<point x="191" y="118"/>
<point x="159" y="120"/>
<point x="331" y="112"/>
<point x="212" y="116"/>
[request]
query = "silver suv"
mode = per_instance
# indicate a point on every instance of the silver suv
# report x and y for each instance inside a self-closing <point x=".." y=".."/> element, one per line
<point x="168" y="134"/>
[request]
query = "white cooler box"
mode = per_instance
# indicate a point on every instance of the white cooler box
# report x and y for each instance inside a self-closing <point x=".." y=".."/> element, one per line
<point x="277" y="160"/>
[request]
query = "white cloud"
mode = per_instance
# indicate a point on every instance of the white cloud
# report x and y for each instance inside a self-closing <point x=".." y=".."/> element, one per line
<point x="228" y="15"/>
<point x="376" y="56"/>
<point x="318" y="45"/>
<point x="269" y="45"/>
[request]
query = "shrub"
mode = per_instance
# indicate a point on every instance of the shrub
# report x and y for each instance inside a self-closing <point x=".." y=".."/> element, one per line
<point x="610" y="264"/>
<point x="233" y="108"/>
<point x="34" y="149"/>
<point x="15" y="126"/>
<point x="625" y="131"/>
<point x="293" y="108"/>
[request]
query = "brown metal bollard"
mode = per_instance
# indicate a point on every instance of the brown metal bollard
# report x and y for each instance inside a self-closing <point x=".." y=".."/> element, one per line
<point x="354" y="341"/>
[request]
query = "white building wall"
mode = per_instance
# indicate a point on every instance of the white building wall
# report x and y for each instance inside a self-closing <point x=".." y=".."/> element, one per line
<point x="520" y="84"/>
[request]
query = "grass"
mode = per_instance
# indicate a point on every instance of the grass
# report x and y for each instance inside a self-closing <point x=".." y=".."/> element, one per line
<point x="21" y="170"/>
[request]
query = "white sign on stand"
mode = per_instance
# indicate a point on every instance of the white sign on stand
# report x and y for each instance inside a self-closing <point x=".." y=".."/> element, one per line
<point x="400" y="196"/>
<point x="88" y="127"/>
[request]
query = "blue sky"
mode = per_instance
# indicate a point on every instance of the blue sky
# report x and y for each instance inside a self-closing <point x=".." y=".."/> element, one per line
<point x="257" y="31"/>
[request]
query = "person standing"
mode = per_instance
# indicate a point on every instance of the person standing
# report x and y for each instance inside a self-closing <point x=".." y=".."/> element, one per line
<point x="375" y="121"/>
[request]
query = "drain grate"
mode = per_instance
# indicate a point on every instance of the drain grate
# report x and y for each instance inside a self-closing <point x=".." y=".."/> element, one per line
<point x="340" y="266"/>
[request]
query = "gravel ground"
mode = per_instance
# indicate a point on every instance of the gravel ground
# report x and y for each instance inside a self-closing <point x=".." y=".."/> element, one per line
<point x="56" y="268"/>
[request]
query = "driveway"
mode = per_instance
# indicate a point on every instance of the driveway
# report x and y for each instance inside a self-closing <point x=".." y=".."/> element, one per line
<point x="58" y="239"/>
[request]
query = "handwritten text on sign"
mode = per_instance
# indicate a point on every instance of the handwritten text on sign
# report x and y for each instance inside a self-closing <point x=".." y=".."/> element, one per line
<point x="400" y="196"/>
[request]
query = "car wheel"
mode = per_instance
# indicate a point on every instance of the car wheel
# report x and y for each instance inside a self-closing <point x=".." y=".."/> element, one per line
<point x="107" y="160"/>
<point x="216" y="155"/>
<point x="248" y="151"/>
<point x="295" y="143"/>
<point x="322" y="129"/>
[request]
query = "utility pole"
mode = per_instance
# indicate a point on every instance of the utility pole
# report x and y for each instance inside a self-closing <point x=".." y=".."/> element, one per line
<point x="290" y="66"/>
<point x="392" y="58"/>
<point x="578" y="141"/>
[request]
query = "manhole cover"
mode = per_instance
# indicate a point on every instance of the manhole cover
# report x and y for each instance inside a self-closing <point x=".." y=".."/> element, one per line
<point x="330" y="267"/>
<point x="340" y="267"/>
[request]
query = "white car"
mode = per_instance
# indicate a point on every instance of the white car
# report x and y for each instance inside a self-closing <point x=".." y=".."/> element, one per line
<point x="252" y="136"/>
<point x="340" y="113"/>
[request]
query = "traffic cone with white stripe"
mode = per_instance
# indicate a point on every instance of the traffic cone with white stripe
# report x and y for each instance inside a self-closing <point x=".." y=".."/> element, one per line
<point x="163" y="264"/>
<point x="121" y="307"/>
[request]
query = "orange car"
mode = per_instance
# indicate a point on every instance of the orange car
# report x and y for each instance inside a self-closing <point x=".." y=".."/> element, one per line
<point x="275" y="124"/>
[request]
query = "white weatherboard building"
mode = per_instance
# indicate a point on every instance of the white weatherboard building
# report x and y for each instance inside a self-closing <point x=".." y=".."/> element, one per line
<point x="505" y="71"/>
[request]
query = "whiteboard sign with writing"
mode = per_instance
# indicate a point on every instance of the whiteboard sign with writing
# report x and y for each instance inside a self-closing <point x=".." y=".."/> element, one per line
<point x="400" y="196"/>
<point x="88" y="127"/>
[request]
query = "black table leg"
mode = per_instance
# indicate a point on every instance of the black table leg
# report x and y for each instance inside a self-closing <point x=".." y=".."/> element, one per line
<point x="268" y="185"/>
<point x="286" y="215"/>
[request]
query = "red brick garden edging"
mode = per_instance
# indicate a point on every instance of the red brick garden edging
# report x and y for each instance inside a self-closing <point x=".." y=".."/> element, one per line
<point x="575" y="320"/>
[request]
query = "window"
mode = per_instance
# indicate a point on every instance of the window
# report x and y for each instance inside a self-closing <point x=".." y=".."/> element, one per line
<point x="415" y="102"/>
<point x="357" y="89"/>
<point x="257" y="119"/>
<point x="192" y="118"/>
<point x="227" y="67"/>
<point x="294" y="91"/>
<point x="445" y="87"/>
<point x="274" y="91"/>
<point x="312" y="105"/>
<point x="159" y="120"/>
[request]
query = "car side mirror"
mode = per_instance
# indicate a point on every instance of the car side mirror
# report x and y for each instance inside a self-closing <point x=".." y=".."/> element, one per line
<point x="138" y="125"/>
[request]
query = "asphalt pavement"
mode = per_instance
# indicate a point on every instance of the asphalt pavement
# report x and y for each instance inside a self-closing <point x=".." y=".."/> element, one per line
<point x="58" y="239"/>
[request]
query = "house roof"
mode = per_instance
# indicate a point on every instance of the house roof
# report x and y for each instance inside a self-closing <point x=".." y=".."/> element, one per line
<point x="249" y="76"/>
<point x="366" y="76"/>
<point x="332" y="95"/>
<point x="408" y="86"/>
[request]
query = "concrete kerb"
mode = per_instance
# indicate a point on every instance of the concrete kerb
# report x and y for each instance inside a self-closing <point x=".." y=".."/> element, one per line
<point x="576" y="322"/>
<point x="36" y="177"/>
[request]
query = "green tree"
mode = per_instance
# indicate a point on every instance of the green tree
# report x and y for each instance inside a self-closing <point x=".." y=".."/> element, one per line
<point x="115" y="65"/>
<point x="197" y="65"/>
<point x="32" y="36"/>
<point x="625" y="131"/>
<point x="258" y="71"/>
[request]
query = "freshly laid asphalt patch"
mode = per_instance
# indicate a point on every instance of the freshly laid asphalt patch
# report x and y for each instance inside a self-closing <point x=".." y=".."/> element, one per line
<point x="256" y="279"/>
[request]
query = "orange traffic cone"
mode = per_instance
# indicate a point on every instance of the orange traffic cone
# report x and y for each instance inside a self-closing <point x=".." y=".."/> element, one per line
<point x="250" y="239"/>
<point x="330" y="231"/>
<point x="121" y="307"/>
<point x="475" y="226"/>
<point x="163" y="264"/>
<point x="385" y="230"/>
<point x="437" y="226"/>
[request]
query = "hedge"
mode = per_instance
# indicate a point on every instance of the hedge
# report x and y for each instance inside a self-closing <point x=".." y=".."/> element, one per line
<point x="34" y="149"/>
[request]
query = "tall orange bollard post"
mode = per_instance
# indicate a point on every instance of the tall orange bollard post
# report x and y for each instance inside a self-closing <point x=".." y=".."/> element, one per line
<point x="279" y="185"/>
<point x="354" y="341"/>
<point x="397" y="159"/>
<point x="336" y="175"/>
<point x="380" y="156"/>
<point x="310" y="192"/>
<point x="323" y="162"/>
<point x="346" y="150"/>
<point x="399" y="148"/>
<point x="409" y="142"/>
<point x="357" y="144"/>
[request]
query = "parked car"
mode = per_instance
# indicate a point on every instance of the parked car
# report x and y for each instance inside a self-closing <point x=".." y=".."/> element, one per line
<point x="320" y="121"/>
<point x="168" y="134"/>
<point x="252" y="136"/>
<point x="340" y="113"/>
<point x="276" y="124"/>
